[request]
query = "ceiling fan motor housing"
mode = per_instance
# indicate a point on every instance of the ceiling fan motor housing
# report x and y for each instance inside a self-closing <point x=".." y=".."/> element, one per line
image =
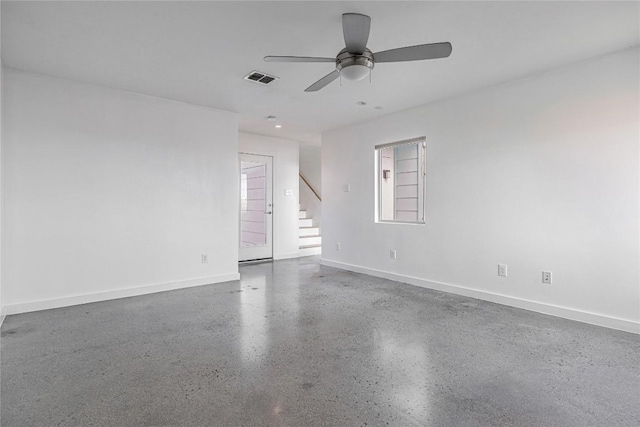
<point x="354" y="66"/>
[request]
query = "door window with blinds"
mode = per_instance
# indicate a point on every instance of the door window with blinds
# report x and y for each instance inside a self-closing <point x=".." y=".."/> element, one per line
<point x="402" y="181"/>
<point x="252" y="203"/>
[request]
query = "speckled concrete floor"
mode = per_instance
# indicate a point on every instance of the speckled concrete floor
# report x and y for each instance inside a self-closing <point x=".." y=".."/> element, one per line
<point x="297" y="344"/>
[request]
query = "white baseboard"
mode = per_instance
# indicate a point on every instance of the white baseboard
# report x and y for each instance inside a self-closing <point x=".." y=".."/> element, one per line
<point x="115" y="294"/>
<point x="538" y="307"/>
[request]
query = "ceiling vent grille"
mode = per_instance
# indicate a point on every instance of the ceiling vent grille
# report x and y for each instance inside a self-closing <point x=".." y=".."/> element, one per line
<point x="259" y="77"/>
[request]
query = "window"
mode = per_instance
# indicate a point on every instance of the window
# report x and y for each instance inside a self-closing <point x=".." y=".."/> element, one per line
<point x="401" y="181"/>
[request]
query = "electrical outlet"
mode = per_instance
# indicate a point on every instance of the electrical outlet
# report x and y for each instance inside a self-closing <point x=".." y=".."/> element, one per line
<point x="337" y="246"/>
<point x="502" y="270"/>
<point x="205" y="258"/>
<point x="393" y="254"/>
<point x="546" y="277"/>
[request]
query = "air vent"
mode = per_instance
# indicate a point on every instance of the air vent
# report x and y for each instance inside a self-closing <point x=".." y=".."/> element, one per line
<point x="258" y="77"/>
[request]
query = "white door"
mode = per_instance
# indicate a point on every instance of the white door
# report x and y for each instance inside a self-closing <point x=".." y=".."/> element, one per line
<point x="256" y="207"/>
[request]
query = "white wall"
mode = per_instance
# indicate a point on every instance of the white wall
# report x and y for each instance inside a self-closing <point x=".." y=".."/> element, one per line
<point x="109" y="193"/>
<point x="311" y="169"/>
<point x="310" y="165"/>
<point x="285" y="177"/>
<point x="539" y="174"/>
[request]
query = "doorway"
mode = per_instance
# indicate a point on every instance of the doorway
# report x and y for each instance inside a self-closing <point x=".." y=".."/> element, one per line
<point x="256" y="207"/>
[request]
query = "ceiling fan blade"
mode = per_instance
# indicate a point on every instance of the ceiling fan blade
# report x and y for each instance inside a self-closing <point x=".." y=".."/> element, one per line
<point x="297" y="59"/>
<point x="414" y="53"/>
<point x="323" y="81"/>
<point x="355" y="28"/>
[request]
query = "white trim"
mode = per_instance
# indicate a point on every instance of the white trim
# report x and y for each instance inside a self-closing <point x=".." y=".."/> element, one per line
<point x="2" y="320"/>
<point x="538" y="307"/>
<point x="115" y="294"/>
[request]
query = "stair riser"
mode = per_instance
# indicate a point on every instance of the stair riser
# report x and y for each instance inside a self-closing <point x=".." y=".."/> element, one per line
<point x="313" y="231"/>
<point x="302" y="214"/>
<point x="308" y="222"/>
<point x="305" y="241"/>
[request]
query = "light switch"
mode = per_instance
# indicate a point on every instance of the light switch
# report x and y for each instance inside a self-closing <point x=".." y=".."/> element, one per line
<point x="346" y="188"/>
<point x="288" y="192"/>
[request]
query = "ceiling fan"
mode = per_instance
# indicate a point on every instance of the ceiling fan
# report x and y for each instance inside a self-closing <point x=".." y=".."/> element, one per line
<point x="355" y="61"/>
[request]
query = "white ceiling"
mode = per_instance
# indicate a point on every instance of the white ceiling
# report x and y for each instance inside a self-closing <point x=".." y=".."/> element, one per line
<point x="198" y="52"/>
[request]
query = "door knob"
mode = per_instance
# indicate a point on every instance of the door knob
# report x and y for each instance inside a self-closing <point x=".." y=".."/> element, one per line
<point x="268" y="212"/>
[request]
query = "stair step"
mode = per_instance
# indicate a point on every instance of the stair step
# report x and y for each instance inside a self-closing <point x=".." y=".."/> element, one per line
<point x="302" y="214"/>
<point x="309" y="240"/>
<point x="305" y="222"/>
<point x="308" y="231"/>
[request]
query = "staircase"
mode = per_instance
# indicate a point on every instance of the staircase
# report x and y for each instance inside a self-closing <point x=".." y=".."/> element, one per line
<point x="309" y="235"/>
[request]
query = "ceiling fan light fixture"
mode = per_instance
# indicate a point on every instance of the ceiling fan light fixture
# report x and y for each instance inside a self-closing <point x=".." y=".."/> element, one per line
<point x="354" y="67"/>
<point x="355" y="72"/>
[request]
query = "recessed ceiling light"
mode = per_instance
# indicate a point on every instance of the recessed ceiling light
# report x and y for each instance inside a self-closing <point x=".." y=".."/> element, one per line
<point x="361" y="103"/>
<point x="278" y="126"/>
<point x="378" y="107"/>
<point x="271" y="118"/>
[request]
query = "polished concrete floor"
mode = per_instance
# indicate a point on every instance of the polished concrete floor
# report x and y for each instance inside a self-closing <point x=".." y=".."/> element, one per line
<point x="297" y="344"/>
